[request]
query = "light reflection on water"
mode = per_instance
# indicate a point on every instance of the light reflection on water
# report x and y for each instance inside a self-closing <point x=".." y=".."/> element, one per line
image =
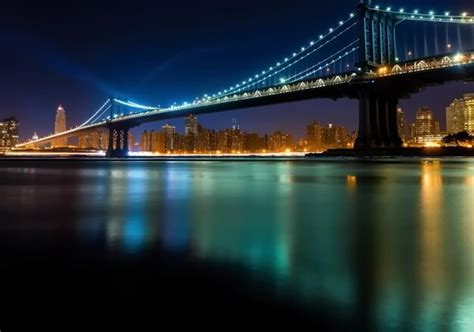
<point x="392" y="242"/>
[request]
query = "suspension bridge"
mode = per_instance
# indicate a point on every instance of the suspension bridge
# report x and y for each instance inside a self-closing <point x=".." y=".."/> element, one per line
<point x="375" y="55"/>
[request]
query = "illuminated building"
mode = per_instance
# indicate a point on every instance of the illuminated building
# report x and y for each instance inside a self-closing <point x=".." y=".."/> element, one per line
<point x="401" y="123"/>
<point x="203" y="140"/>
<point x="314" y="135"/>
<point x="152" y="141"/>
<point x="35" y="137"/>
<point x="280" y="142"/>
<point x="59" y="127"/>
<point x="334" y="136"/>
<point x="425" y="130"/>
<point x="460" y="115"/>
<point x="321" y="137"/>
<point x="222" y="141"/>
<point x="170" y="137"/>
<point x="8" y="133"/>
<point x="424" y="122"/>
<point x="190" y="125"/>
<point x="253" y="143"/>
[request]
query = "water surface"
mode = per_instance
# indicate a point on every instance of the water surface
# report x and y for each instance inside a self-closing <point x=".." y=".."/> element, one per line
<point x="369" y="245"/>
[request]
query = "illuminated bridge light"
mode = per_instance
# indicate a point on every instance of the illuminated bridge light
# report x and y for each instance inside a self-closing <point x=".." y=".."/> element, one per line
<point x="446" y="13"/>
<point x="351" y="15"/>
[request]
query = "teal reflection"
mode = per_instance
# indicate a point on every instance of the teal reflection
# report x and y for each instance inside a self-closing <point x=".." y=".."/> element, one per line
<point x="177" y="217"/>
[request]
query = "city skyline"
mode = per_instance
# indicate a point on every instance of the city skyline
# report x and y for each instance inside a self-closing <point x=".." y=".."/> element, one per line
<point x="179" y="124"/>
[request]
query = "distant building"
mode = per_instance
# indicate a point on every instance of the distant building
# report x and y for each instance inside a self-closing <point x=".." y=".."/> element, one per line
<point x="320" y="138"/>
<point x="152" y="141"/>
<point x="401" y="123"/>
<point x="190" y="125"/>
<point x="35" y="137"/>
<point x="280" y="142"/>
<point x="59" y="127"/>
<point x="8" y="133"/>
<point x="424" y="122"/>
<point x="253" y="143"/>
<point x="460" y="115"/>
<point x="314" y="136"/>
<point x="426" y="129"/>
<point x="170" y="137"/>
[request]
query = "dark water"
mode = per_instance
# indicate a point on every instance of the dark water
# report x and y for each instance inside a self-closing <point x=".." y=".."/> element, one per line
<point x="342" y="245"/>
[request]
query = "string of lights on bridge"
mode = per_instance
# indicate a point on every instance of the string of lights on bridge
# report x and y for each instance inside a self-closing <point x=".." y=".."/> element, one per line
<point x="286" y="62"/>
<point x="446" y="17"/>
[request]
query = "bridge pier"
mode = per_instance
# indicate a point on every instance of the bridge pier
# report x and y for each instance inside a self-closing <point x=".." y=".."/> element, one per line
<point x="378" y="126"/>
<point x="118" y="142"/>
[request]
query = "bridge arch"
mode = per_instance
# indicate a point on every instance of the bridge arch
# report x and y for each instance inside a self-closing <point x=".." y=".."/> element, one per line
<point x="446" y="61"/>
<point x="320" y="83"/>
<point x="421" y="65"/>
<point x="397" y="69"/>
<point x="302" y="85"/>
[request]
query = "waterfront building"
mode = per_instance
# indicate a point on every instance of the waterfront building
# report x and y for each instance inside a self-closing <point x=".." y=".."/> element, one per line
<point x="424" y="122"/>
<point x="190" y="125"/>
<point x="401" y="124"/>
<point x="152" y="141"/>
<point x="9" y="133"/>
<point x="280" y="142"/>
<point x="460" y="115"/>
<point x="314" y="135"/>
<point x="170" y="137"/>
<point x="320" y="138"/>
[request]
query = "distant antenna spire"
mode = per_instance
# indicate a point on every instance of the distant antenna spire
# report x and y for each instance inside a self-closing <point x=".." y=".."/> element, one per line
<point x="235" y="125"/>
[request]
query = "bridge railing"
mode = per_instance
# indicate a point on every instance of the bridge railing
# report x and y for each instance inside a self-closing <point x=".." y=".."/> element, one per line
<point x="425" y="64"/>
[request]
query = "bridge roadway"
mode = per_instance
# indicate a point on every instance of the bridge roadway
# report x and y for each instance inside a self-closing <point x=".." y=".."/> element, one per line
<point x="378" y="92"/>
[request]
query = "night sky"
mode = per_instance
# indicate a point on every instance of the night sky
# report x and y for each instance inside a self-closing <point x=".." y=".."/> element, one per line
<point x="153" y="52"/>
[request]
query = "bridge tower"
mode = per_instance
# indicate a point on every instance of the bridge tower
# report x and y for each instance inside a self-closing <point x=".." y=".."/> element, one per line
<point x="377" y="37"/>
<point x="118" y="135"/>
<point x="377" y="105"/>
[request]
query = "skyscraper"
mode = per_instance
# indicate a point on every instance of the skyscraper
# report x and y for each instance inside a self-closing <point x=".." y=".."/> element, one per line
<point x="425" y="124"/>
<point x="401" y="123"/>
<point x="460" y="115"/>
<point x="190" y="125"/>
<point x="8" y="133"/>
<point x="59" y="127"/>
<point x="314" y="136"/>
<point x="170" y="137"/>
